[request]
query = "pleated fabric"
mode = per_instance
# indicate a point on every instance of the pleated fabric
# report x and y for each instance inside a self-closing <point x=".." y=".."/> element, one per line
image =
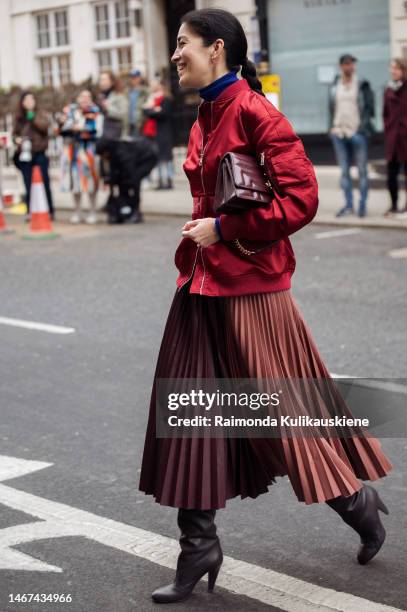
<point x="261" y="335"/>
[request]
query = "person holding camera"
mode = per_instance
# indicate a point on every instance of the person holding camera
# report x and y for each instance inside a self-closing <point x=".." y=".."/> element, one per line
<point x="30" y="135"/>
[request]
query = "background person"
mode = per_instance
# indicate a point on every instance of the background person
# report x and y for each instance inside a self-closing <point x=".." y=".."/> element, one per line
<point x="114" y="105"/>
<point x="115" y="108"/>
<point x="138" y="94"/>
<point x="351" y="109"/>
<point x="30" y="135"/>
<point x="158" y="110"/>
<point x="80" y="124"/>
<point x="395" y="130"/>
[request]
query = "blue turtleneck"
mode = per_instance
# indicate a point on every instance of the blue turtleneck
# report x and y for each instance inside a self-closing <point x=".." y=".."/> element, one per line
<point x="211" y="91"/>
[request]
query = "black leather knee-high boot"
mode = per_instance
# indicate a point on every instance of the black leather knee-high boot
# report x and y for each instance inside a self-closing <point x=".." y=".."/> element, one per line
<point x="361" y="512"/>
<point x="200" y="554"/>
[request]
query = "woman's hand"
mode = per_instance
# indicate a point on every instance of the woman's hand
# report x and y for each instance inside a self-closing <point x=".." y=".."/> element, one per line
<point x="201" y="231"/>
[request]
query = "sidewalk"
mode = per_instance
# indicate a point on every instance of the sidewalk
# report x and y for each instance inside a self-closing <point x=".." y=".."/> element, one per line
<point x="178" y="200"/>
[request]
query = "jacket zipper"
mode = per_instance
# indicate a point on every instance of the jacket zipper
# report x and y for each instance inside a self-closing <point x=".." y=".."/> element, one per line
<point x="201" y="155"/>
<point x="200" y="163"/>
<point x="203" y="278"/>
<point x="201" y="159"/>
<point x="192" y="272"/>
<point x="268" y="179"/>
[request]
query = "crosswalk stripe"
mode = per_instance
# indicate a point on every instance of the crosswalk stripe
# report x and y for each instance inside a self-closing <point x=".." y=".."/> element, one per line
<point x="45" y="327"/>
<point x="267" y="586"/>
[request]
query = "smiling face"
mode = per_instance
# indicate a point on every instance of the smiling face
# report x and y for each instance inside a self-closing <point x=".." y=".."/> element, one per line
<point x="197" y="65"/>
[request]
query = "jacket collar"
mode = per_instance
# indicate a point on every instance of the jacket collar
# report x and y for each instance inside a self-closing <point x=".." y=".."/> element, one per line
<point x="230" y="92"/>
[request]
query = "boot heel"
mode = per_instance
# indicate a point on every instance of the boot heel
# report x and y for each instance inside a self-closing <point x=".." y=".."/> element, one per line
<point x="382" y="506"/>
<point x="212" y="576"/>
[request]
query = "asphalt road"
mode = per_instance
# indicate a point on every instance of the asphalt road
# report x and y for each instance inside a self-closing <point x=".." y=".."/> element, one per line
<point x="79" y="402"/>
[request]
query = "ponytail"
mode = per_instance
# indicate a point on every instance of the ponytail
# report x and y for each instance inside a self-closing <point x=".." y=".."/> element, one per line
<point x="215" y="23"/>
<point x="249" y="73"/>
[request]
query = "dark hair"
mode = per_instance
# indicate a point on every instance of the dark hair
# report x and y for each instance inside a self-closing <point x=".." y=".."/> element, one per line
<point x="347" y="58"/>
<point x="214" y="23"/>
<point x="116" y="82"/>
<point x="21" y="111"/>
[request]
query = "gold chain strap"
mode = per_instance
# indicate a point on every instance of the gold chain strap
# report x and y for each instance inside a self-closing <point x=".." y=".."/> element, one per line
<point x="243" y="250"/>
<point x="269" y="185"/>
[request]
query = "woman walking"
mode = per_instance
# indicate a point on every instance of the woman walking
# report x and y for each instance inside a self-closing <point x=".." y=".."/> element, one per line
<point x="159" y="127"/>
<point x="233" y="316"/>
<point x="395" y="131"/>
<point x="30" y="135"/>
<point x="80" y="125"/>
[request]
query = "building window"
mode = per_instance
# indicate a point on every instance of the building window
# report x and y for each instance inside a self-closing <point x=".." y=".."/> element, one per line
<point x="124" y="63"/>
<point x="113" y="36"/>
<point x="52" y="35"/>
<point x="102" y="21"/>
<point x="52" y="29"/>
<point x="118" y="60"/>
<point x="61" y="28"/>
<point x="122" y="15"/>
<point x="46" y="71"/>
<point x="112" y="20"/>
<point x="104" y="60"/>
<point x="43" y="34"/>
<point x="64" y="69"/>
<point x="55" y="70"/>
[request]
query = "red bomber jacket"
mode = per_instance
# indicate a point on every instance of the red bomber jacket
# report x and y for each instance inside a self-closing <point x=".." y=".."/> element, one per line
<point x="243" y="121"/>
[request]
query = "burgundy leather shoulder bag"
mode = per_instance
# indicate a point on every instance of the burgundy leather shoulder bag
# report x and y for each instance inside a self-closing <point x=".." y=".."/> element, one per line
<point x="242" y="183"/>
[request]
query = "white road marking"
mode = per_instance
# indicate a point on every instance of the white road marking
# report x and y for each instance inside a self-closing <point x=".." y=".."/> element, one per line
<point x="58" y="520"/>
<point x="398" y="253"/>
<point x="340" y="375"/>
<point x="337" y="233"/>
<point x="51" y="329"/>
<point x="382" y="385"/>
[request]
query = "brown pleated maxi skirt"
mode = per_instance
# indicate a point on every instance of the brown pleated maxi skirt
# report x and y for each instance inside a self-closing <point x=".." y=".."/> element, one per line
<point x="261" y="335"/>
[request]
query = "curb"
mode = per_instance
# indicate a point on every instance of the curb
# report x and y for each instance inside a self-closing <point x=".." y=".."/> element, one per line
<point x="326" y="220"/>
<point x="366" y="223"/>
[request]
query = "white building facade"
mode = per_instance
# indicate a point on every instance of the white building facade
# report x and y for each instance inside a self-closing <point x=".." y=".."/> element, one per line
<point x="51" y="42"/>
<point x="398" y="28"/>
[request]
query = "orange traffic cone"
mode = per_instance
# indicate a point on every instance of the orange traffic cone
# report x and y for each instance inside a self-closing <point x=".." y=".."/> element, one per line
<point x="3" y="227"/>
<point x="40" y="222"/>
